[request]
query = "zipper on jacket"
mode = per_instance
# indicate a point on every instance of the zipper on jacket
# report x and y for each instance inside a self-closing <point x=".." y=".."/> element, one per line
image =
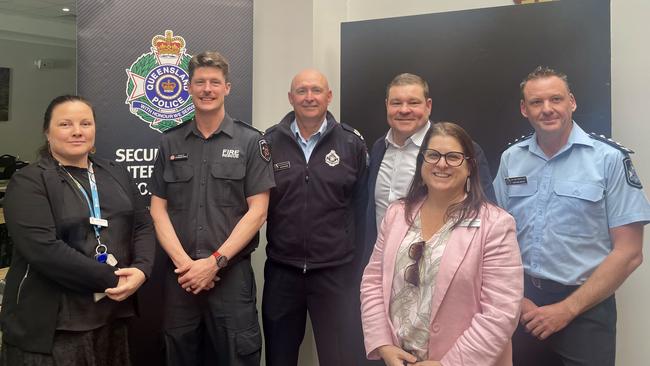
<point x="20" y="286"/>
<point x="304" y="210"/>
<point x="286" y="130"/>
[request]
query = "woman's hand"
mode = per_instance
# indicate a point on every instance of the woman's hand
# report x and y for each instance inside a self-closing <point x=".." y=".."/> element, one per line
<point x="395" y="356"/>
<point x="130" y="280"/>
<point x="426" y="363"/>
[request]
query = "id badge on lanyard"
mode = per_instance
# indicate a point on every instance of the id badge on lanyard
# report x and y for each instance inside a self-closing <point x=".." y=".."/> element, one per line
<point x="101" y="250"/>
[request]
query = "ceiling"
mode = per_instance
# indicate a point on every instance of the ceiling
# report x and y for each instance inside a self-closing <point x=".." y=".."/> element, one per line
<point x="49" y="9"/>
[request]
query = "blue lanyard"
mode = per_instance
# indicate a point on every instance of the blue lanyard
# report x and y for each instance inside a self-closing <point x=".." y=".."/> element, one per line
<point x="101" y="250"/>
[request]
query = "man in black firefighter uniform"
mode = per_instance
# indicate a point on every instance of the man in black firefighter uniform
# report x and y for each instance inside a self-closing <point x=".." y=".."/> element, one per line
<point x="313" y="231"/>
<point x="210" y="196"/>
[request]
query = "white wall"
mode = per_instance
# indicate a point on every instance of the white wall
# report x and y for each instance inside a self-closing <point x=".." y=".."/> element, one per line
<point x="631" y="125"/>
<point x="292" y="34"/>
<point x="31" y="90"/>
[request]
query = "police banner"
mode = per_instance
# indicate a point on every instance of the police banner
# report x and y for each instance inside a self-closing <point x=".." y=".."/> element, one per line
<point x="132" y="65"/>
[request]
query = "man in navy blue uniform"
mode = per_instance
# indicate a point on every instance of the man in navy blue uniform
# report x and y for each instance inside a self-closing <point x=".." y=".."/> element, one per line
<point x="313" y="228"/>
<point x="580" y="211"/>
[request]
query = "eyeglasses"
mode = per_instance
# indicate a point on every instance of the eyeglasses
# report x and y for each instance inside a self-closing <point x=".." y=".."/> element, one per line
<point x="453" y="158"/>
<point x="412" y="271"/>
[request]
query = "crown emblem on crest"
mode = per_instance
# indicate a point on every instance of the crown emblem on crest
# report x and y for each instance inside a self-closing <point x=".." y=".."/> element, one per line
<point x="168" y="86"/>
<point x="168" y="44"/>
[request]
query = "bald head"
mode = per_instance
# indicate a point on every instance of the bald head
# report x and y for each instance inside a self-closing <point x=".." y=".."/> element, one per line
<point x="310" y="95"/>
<point x="311" y="75"/>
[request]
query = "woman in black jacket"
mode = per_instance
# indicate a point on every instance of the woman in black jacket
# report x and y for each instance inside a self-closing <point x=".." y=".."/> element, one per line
<point x="83" y="244"/>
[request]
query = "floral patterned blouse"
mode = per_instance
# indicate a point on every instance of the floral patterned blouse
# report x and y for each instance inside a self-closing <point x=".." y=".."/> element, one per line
<point x="410" y="305"/>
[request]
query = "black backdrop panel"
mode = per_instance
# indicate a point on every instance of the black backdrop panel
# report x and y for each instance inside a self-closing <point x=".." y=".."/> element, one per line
<point x="474" y="61"/>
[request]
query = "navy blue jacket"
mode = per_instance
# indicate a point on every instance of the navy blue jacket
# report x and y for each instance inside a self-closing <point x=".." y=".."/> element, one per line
<point x="315" y="218"/>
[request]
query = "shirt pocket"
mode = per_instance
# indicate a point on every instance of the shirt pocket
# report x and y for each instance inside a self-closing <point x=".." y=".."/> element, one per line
<point x="584" y="191"/>
<point x="580" y="206"/>
<point x="522" y="190"/>
<point x="177" y="177"/>
<point x="228" y="180"/>
<point x="521" y="197"/>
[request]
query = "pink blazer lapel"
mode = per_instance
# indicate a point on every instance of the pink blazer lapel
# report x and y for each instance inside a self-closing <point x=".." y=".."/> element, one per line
<point x="456" y="249"/>
<point x="391" y="245"/>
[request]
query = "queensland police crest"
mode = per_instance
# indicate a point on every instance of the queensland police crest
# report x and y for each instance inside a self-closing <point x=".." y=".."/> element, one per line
<point x="157" y="86"/>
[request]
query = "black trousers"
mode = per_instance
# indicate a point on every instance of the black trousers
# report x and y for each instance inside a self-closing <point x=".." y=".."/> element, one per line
<point x="589" y="340"/>
<point x="215" y="327"/>
<point x="327" y="295"/>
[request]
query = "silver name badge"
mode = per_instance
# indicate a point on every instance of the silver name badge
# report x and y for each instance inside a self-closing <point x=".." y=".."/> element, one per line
<point x="99" y="222"/>
<point x="470" y="223"/>
<point x="516" y="180"/>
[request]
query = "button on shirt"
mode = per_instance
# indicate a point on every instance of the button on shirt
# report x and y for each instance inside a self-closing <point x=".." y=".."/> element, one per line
<point x="308" y="145"/>
<point x="565" y="205"/>
<point x="206" y="182"/>
<point x="397" y="170"/>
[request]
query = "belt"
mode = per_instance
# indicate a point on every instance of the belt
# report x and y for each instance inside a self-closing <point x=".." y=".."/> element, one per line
<point x="548" y="285"/>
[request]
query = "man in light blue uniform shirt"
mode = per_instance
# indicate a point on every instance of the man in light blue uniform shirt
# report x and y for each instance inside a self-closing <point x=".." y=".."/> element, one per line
<point x="580" y="211"/>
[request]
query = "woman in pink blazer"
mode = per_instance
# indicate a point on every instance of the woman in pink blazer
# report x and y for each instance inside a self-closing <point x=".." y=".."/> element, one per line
<point x="445" y="280"/>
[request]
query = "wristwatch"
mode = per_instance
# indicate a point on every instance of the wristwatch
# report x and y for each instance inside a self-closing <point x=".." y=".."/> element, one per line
<point x="222" y="260"/>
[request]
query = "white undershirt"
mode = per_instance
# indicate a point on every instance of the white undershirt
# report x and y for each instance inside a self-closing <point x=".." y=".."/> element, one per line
<point x="396" y="170"/>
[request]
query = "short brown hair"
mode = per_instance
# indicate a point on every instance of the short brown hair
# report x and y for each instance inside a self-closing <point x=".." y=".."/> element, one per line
<point x="209" y="59"/>
<point x="408" y="79"/>
<point x="542" y="72"/>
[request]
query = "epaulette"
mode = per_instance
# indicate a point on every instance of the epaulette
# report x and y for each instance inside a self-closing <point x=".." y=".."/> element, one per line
<point x="248" y="125"/>
<point x="270" y="129"/>
<point x="353" y="130"/>
<point x="178" y="126"/>
<point x="520" y="139"/>
<point x="610" y="142"/>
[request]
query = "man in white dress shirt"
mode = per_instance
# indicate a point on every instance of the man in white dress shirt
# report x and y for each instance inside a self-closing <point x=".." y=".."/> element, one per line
<point x="393" y="157"/>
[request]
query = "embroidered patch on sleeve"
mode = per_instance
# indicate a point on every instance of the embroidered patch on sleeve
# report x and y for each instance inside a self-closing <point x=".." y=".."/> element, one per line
<point x="630" y="174"/>
<point x="265" y="150"/>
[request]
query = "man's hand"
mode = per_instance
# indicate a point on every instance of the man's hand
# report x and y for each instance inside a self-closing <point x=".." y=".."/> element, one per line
<point x="395" y="356"/>
<point x="527" y="306"/>
<point x="543" y="321"/>
<point x="197" y="275"/>
<point x="130" y="280"/>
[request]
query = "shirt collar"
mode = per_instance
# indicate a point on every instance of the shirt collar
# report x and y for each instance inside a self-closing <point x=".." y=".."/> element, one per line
<point x="416" y="138"/>
<point x="577" y="137"/>
<point x="227" y="126"/>
<point x="296" y="131"/>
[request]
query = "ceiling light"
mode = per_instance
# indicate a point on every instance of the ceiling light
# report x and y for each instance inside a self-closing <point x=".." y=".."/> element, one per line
<point x="66" y="9"/>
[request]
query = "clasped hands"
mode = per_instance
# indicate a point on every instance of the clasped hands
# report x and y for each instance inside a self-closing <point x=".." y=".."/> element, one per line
<point x="395" y="356"/>
<point x="197" y="275"/>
